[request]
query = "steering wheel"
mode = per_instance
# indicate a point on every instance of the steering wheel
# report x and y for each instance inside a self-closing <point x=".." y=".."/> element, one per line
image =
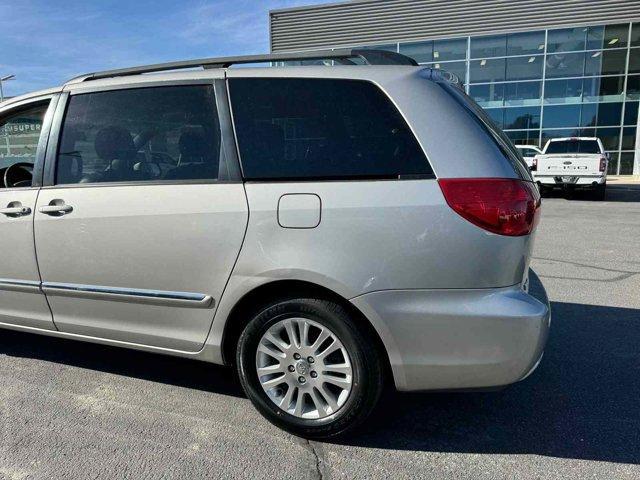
<point x="18" y="175"/>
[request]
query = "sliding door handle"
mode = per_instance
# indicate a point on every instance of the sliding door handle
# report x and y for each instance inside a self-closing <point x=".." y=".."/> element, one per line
<point x="15" y="209"/>
<point x="56" y="208"/>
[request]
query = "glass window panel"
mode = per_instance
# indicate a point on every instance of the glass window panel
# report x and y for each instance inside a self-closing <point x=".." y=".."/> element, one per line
<point x="492" y="46"/>
<point x="563" y="91"/>
<point x="558" y="116"/>
<point x="609" y="114"/>
<point x="566" y="39"/>
<point x="524" y="137"/>
<point x="457" y="68"/>
<point x="487" y="70"/>
<point x="595" y="38"/>
<point x="635" y="35"/>
<point x="524" y="68"/>
<point x="589" y="115"/>
<point x="522" y="93"/>
<point x="634" y="60"/>
<point x="525" y="43"/>
<point x="488" y="95"/>
<point x="629" y="138"/>
<point x="454" y="49"/>
<point x="522" y="118"/>
<point x="565" y="65"/>
<point x="603" y="89"/>
<point x="616" y="36"/>
<point x="606" y="62"/>
<point x="610" y="137"/>
<point x="421" y="52"/>
<point x="311" y="128"/>
<point x="565" y="132"/>
<point x="20" y="131"/>
<point x="633" y="87"/>
<point x="496" y="115"/>
<point x="631" y="113"/>
<point x="626" y="163"/>
<point x="612" y="169"/>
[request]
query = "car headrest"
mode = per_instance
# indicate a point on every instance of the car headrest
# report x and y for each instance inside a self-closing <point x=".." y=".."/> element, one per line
<point x="113" y="143"/>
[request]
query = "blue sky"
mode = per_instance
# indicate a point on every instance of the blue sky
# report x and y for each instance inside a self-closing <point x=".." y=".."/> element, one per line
<point x="45" y="42"/>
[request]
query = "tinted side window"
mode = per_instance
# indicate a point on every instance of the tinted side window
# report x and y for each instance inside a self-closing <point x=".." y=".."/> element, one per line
<point x="19" y="136"/>
<point x="323" y="129"/>
<point x="159" y="133"/>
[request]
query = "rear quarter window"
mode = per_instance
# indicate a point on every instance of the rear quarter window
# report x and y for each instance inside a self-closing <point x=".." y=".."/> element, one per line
<point x="289" y="128"/>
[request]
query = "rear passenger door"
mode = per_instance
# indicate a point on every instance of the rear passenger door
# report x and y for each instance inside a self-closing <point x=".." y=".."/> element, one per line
<point x="142" y="213"/>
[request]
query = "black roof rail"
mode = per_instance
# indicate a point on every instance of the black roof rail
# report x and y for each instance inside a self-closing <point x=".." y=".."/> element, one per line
<point x="343" y="56"/>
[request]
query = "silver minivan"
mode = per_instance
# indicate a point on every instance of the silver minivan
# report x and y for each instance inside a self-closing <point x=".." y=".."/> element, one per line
<point x="326" y="229"/>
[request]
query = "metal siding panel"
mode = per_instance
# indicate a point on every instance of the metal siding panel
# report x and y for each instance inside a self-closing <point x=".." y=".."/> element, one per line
<point x="379" y="21"/>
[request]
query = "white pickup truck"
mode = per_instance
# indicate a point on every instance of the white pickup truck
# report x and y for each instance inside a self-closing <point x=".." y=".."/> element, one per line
<point x="571" y="163"/>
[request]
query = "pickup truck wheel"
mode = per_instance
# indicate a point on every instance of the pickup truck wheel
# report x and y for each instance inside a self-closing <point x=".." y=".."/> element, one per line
<point x="308" y="368"/>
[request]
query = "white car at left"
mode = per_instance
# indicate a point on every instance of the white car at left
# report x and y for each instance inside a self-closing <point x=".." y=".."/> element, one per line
<point x="529" y="153"/>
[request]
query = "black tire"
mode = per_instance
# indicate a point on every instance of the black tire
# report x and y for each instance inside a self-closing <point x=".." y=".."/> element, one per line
<point x="365" y="362"/>
<point x="599" y="192"/>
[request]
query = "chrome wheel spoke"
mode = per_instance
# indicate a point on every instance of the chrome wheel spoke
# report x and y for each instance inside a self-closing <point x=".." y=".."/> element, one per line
<point x="292" y="367"/>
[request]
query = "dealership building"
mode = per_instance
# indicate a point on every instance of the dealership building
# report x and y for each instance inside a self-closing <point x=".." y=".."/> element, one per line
<point x="540" y="68"/>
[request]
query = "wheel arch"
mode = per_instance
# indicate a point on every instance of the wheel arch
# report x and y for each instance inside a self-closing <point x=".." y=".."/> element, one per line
<point x="261" y="296"/>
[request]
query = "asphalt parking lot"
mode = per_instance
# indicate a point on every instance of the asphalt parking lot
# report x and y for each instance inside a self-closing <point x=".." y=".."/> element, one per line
<point x="71" y="410"/>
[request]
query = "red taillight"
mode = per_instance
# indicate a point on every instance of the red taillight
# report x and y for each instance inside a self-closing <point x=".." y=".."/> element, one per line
<point x="603" y="164"/>
<point x="500" y="205"/>
<point x="534" y="164"/>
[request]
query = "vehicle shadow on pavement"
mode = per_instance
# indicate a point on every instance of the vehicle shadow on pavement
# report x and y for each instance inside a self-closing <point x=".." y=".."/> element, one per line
<point x="623" y="193"/>
<point x="176" y="371"/>
<point x="581" y="403"/>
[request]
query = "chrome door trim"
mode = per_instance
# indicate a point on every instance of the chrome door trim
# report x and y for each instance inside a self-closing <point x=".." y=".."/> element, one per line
<point x="132" y="295"/>
<point x="13" y="285"/>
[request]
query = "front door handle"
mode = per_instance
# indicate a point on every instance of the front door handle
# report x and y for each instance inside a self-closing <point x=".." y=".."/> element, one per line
<point x="56" y="208"/>
<point x="15" y="209"/>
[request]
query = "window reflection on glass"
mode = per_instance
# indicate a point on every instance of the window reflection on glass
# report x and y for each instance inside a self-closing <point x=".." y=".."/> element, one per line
<point x="522" y="93"/>
<point x="497" y="115"/>
<point x="629" y="138"/>
<point x="459" y="69"/>
<point x="522" y="118"/>
<point x="524" y="68"/>
<point x="634" y="60"/>
<point x="421" y="52"/>
<point x="566" y="39"/>
<point x="391" y="47"/>
<point x="525" y="43"/>
<point x="492" y="46"/>
<point x="626" y="163"/>
<point x="488" y="95"/>
<point x="635" y="35"/>
<point x="605" y="62"/>
<point x="595" y="38"/>
<point x="610" y="137"/>
<point x="633" y="87"/>
<point x="616" y="36"/>
<point x="565" y="65"/>
<point x="631" y="113"/>
<point x="612" y="169"/>
<point x="487" y="70"/>
<point x="603" y="89"/>
<point x="558" y="116"/>
<point x="562" y="133"/>
<point x="609" y="114"/>
<point x="453" y="49"/>
<point x="563" y="91"/>
<point x="524" y="137"/>
<point x="589" y="115"/>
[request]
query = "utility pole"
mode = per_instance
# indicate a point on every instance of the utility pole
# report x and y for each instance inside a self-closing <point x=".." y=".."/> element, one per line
<point x="4" y="79"/>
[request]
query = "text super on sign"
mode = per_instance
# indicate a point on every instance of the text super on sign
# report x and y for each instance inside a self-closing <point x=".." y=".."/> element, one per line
<point x="19" y="128"/>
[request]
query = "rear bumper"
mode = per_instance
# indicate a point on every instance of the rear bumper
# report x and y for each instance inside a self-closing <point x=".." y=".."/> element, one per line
<point x="576" y="181"/>
<point x="459" y="339"/>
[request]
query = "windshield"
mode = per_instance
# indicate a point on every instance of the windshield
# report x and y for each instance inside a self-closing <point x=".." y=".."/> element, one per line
<point x="573" y="146"/>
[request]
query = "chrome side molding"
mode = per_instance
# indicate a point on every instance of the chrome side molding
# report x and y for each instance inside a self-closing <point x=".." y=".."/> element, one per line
<point x="115" y="294"/>
<point x="13" y="285"/>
